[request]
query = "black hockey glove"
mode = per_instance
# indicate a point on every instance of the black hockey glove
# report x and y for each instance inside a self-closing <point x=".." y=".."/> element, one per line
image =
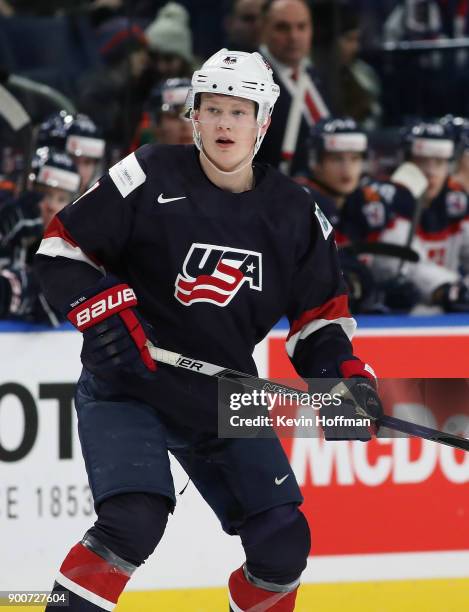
<point x="359" y="281"/>
<point x="358" y="415"/>
<point x="21" y="297"/>
<point x="20" y="220"/>
<point x="453" y="297"/>
<point x="114" y="333"/>
<point x="17" y="292"/>
<point x="10" y="293"/>
<point x="400" y="294"/>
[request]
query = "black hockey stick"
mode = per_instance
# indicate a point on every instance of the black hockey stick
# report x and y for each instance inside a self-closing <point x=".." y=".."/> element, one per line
<point x="385" y="249"/>
<point x="209" y="369"/>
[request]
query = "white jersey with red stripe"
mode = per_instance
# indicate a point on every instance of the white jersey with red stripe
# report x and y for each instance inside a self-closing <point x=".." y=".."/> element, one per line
<point x="443" y="231"/>
<point x="441" y="238"/>
<point x="213" y="270"/>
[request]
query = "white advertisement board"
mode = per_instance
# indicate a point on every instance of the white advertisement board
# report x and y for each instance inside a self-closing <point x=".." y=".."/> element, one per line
<point x="45" y="502"/>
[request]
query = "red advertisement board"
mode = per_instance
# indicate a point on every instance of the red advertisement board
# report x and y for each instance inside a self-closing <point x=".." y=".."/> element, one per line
<point x="390" y="495"/>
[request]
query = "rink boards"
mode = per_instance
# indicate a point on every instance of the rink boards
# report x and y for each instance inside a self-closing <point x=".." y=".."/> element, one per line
<point x="393" y="510"/>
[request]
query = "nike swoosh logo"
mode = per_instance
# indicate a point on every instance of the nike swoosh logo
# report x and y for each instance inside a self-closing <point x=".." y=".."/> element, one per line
<point x="163" y="200"/>
<point x="278" y="481"/>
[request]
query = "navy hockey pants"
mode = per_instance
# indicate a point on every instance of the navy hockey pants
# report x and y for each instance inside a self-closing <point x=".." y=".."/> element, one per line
<point x="125" y="446"/>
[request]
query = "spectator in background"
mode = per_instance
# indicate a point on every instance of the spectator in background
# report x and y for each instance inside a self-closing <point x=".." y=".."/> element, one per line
<point x="30" y="7"/>
<point x="352" y="86"/>
<point x="6" y="10"/>
<point x="414" y="20"/>
<point x="113" y="95"/>
<point x="287" y="37"/>
<point x="243" y="25"/>
<point x="100" y="11"/>
<point x="170" y="43"/>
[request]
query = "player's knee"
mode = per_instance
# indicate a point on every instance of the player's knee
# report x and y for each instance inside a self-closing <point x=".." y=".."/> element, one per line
<point x="132" y="524"/>
<point x="277" y="543"/>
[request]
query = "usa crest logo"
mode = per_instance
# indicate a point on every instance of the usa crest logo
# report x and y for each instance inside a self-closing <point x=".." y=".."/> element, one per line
<point x="229" y="59"/>
<point x="214" y="274"/>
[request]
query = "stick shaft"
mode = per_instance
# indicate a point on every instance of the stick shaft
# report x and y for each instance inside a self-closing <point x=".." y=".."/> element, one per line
<point x="209" y="369"/>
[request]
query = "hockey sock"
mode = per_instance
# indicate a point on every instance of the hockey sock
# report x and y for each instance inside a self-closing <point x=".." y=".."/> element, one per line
<point x="93" y="575"/>
<point x="250" y="594"/>
<point x="276" y="543"/>
<point x="75" y="602"/>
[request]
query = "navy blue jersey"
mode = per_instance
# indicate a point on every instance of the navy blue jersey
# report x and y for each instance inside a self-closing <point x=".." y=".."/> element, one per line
<point x="374" y="208"/>
<point x="213" y="270"/>
<point x="441" y="238"/>
<point x="324" y="200"/>
<point x="365" y="213"/>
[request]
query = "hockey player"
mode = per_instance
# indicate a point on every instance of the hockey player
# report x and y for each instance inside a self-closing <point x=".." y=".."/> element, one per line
<point x="442" y="228"/>
<point x="358" y="210"/>
<point x="336" y="152"/>
<point x="168" y="106"/>
<point x="210" y="249"/>
<point x="164" y="120"/>
<point x="52" y="132"/>
<point x="86" y="146"/>
<point x="460" y="127"/>
<point x="54" y="181"/>
<point x="337" y="148"/>
<point x="358" y="207"/>
<point x="20" y="219"/>
<point x="79" y="137"/>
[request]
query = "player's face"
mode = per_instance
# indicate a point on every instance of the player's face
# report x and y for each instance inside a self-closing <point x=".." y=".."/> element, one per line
<point x="172" y="129"/>
<point x="86" y="167"/>
<point x="436" y="170"/>
<point x="288" y="31"/>
<point x="53" y="201"/>
<point x="340" y="171"/>
<point x="228" y="128"/>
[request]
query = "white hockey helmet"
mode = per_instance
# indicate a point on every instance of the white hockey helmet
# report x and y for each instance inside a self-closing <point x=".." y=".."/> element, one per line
<point x="240" y="74"/>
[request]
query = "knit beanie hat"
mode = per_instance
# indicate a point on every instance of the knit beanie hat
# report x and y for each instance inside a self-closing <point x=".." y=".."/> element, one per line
<point x="170" y="32"/>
